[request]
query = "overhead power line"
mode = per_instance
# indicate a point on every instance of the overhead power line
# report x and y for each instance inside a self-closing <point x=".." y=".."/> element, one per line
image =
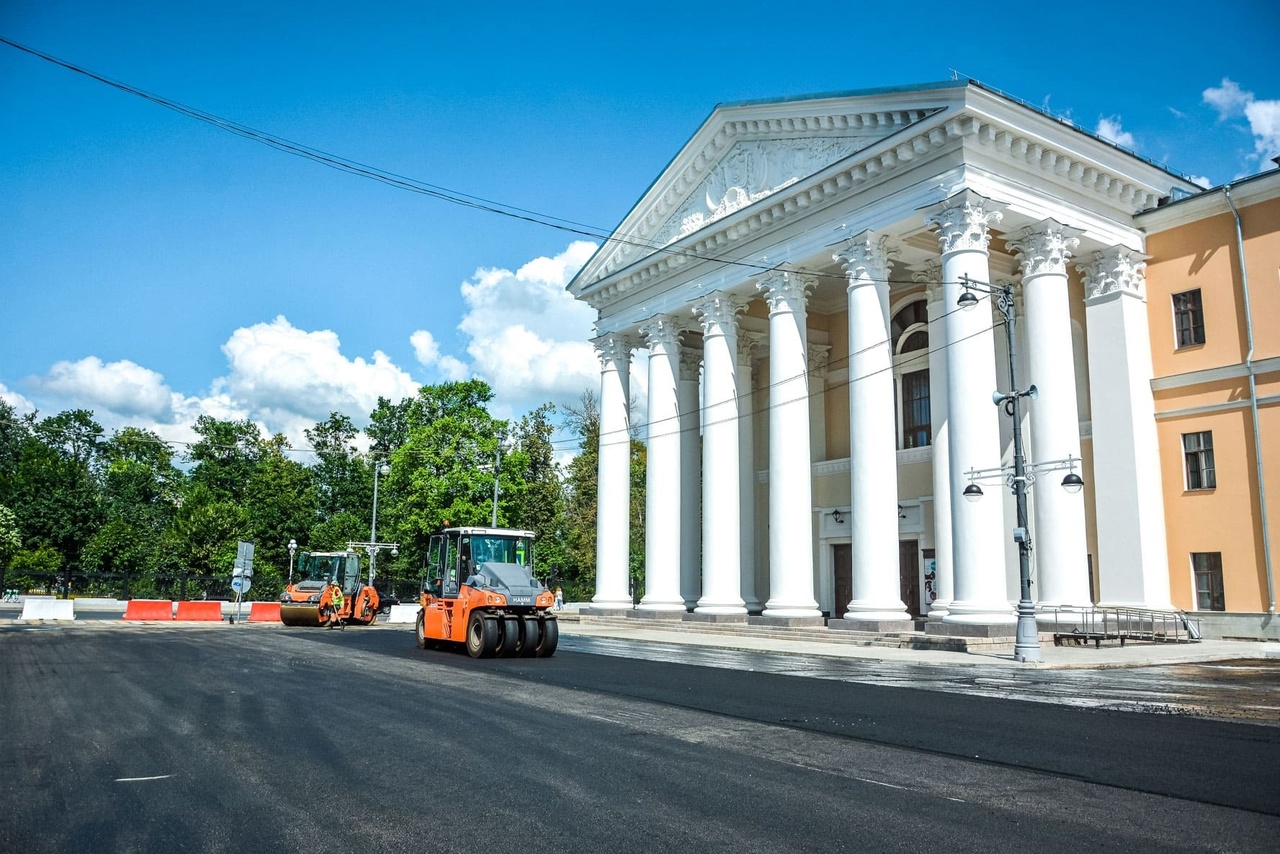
<point x="414" y="185"/>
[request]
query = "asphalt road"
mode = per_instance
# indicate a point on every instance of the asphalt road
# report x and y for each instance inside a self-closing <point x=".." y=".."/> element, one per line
<point x="159" y="739"/>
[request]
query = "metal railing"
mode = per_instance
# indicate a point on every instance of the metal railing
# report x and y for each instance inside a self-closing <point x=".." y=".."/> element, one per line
<point x="1098" y="624"/>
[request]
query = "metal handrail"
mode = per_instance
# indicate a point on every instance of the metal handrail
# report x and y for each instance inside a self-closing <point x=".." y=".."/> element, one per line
<point x="1099" y="623"/>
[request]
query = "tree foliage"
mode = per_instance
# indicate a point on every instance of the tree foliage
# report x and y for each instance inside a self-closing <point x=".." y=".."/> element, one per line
<point x="84" y="511"/>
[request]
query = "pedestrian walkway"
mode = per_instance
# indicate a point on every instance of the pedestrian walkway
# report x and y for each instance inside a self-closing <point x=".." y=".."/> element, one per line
<point x="820" y="641"/>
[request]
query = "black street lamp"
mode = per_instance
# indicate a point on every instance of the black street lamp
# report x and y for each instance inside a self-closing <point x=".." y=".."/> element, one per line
<point x="1026" y="645"/>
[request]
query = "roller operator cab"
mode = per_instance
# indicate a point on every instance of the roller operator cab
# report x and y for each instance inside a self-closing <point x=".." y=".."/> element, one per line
<point x="480" y="591"/>
<point x="310" y="600"/>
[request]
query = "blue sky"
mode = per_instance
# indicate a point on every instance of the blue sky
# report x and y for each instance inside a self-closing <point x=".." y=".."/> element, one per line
<point x="153" y="267"/>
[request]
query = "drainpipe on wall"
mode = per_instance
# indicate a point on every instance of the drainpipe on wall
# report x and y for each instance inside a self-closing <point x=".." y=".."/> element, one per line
<point x="1253" y="401"/>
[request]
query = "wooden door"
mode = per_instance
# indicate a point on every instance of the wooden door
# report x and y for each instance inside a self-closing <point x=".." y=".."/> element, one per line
<point x="842" y="566"/>
<point x="909" y="572"/>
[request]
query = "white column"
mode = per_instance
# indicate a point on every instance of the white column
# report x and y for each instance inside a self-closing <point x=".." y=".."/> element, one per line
<point x="1061" y="553"/>
<point x="1133" y="563"/>
<point x="873" y="442"/>
<point x="690" y="478"/>
<point x="791" y="591"/>
<point x="721" y="490"/>
<point x="613" y="493"/>
<point x="747" y="344"/>
<point x="819" y="355"/>
<point x="942" y="489"/>
<point x="977" y="527"/>
<point x="662" y="473"/>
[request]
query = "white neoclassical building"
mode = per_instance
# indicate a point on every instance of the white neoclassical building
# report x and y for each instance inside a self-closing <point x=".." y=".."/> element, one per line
<point x="817" y="399"/>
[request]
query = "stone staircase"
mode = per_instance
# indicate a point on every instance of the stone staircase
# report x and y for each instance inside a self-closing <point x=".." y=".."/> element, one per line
<point x="918" y="640"/>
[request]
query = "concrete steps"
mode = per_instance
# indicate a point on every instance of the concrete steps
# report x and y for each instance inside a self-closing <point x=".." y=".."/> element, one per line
<point x="813" y="634"/>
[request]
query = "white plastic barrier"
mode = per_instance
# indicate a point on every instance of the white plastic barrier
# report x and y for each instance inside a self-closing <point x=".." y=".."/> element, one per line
<point x="48" y="609"/>
<point x="404" y="614"/>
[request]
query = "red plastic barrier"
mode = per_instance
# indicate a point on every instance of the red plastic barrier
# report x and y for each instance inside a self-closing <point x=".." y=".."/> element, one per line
<point x="200" y="610"/>
<point x="148" y="609"/>
<point x="264" y="612"/>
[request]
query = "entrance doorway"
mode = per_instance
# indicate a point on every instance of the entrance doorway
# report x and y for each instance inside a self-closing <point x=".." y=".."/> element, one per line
<point x="909" y="572"/>
<point x="842" y="566"/>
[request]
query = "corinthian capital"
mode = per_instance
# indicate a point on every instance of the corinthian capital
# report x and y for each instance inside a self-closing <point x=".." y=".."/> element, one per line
<point x="930" y="275"/>
<point x="662" y="333"/>
<point x="1044" y="247"/>
<point x="690" y="364"/>
<point x="786" y="291"/>
<point x="866" y="257"/>
<point x="718" y="313"/>
<point x="614" y="350"/>
<point x="963" y="222"/>
<point x="1115" y="270"/>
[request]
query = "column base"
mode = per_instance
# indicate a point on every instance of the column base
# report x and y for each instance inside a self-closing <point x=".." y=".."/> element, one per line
<point x="777" y="608"/>
<point x="647" y="604"/>
<point x="604" y="602"/>
<point x="981" y="613"/>
<point x="938" y="610"/>
<point x="877" y="615"/>
<point x="971" y="630"/>
<point x="721" y="609"/>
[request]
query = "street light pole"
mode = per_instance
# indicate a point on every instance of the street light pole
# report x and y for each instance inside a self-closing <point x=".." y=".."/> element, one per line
<point x="1026" y="645"/>
<point x="381" y="468"/>
<point x="293" y="547"/>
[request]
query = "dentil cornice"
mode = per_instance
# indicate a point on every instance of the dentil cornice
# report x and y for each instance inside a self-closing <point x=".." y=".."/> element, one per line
<point x="1044" y="248"/>
<point x="1118" y="270"/>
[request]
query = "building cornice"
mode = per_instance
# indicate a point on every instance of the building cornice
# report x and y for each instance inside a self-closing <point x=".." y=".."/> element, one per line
<point x="1210" y="203"/>
<point x="929" y="136"/>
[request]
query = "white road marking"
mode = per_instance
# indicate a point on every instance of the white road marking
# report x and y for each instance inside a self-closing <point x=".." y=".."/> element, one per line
<point x="142" y="779"/>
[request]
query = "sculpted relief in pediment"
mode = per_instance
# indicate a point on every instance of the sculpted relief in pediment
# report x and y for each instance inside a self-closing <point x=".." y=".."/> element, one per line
<point x="750" y="171"/>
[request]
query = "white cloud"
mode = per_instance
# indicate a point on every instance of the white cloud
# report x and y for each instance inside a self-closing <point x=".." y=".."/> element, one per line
<point x="528" y="337"/>
<point x="1228" y="99"/>
<point x="1109" y="128"/>
<point x="1232" y="102"/>
<point x="1201" y="181"/>
<point x="425" y="348"/>
<point x="19" y="403"/>
<point x="121" y="387"/>
<point x="291" y="378"/>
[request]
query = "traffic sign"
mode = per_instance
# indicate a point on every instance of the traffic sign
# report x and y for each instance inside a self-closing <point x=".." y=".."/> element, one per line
<point x="244" y="559"/>
<point x="241" y="583"/>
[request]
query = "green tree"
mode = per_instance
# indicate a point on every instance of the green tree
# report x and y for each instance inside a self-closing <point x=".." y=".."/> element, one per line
<point x="205" y="531"/>
<point x="536" y="499"/>
<point x="54" y="490"/>
<point x="579" y="537"/>
<point x="225" y="456"/>
<point x="280" y="504"/>
<point x="388" y="426"/>
<point x="343" y="477"/>
<point x="443" y="474"/>
<point x="140" y="489"/>
<point x="10" y="541"/>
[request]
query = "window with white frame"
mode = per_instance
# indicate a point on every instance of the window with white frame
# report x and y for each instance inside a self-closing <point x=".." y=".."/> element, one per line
<point x="1207" y="568"/>
<point x="909" y="333"/>
<point x="1188" y="318"/>
<point x="1197" y="452"/>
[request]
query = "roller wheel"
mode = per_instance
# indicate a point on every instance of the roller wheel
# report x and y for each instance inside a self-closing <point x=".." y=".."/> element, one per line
<point x="550" y="638"/>
<point x="530" y="635"/>
<point x="421" y="630"/>
<point x="509" y="641"/>
<point x="482" y="636"/>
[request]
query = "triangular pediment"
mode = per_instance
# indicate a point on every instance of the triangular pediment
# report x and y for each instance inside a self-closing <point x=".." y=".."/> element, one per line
<point x="742" y="155"/>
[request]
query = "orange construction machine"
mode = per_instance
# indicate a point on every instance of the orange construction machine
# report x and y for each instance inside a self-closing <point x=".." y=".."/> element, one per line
<point x="480" y="591"/>
<point x="328" y="592"/>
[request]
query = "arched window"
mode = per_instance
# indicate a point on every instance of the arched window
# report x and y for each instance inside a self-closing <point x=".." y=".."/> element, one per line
<point x="910" y="337"/>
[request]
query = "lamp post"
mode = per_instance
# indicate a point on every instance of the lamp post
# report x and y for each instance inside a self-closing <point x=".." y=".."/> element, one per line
<point x="293" y="548"/>
<point x="381" y="468"/>
<point x="503" y="444"/>
<point x="1027" y="642"/>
